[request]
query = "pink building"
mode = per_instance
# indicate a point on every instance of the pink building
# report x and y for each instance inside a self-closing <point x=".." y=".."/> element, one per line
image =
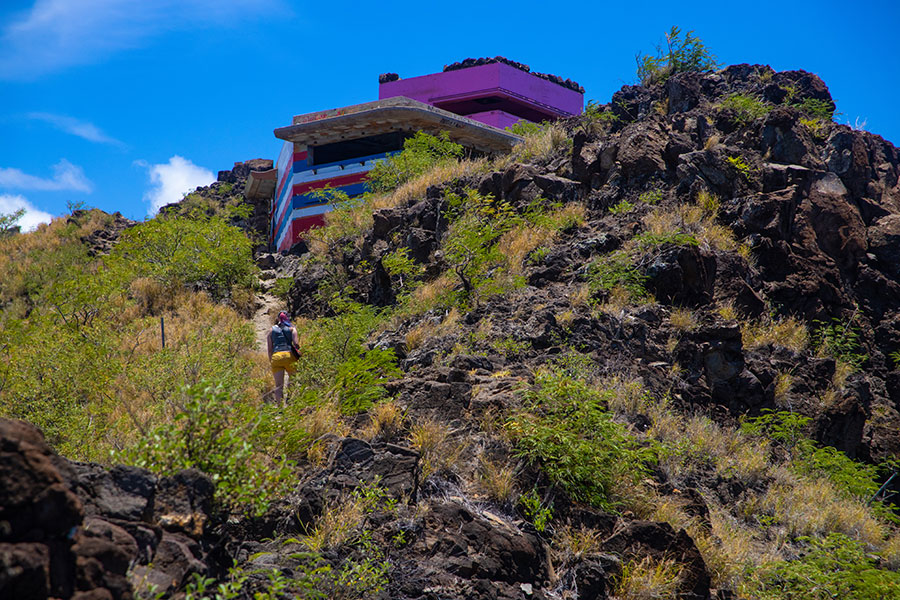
<point x="472" y="101"/>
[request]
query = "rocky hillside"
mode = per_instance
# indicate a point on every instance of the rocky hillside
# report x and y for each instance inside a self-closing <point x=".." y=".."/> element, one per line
<point x="652" y="353"/>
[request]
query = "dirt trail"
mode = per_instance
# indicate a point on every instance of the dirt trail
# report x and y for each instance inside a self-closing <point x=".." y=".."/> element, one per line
<point x="265" y="317"/>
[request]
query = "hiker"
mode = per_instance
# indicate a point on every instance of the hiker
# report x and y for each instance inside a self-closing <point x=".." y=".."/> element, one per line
<point x="281" y="338"/>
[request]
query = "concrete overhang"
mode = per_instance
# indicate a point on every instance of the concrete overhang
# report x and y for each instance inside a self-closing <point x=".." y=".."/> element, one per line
<point x="261" y="184"/>
<point x="393" y="114"/>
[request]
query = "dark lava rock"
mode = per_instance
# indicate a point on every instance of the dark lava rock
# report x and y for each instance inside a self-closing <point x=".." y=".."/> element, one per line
<point x="660" y="541"/>
<point x="395" y="468"/>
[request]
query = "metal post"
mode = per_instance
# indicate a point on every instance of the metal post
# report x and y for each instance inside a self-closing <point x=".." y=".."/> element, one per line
<point x="162" y="329"/>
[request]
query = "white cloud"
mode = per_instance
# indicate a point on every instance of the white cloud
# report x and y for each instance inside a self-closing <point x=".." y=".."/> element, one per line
<point x="76" y="127"/>
<point x="55" y="34"/>
<point x="32" y="217"/>
<point x="66" y="176"/>
<point x="172" y="180"/>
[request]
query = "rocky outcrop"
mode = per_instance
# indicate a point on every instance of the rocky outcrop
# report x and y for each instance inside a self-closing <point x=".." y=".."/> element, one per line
<point x="81" y="531"/>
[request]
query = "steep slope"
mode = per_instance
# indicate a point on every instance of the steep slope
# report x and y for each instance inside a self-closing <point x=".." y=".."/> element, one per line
<point x="547" y="375"/>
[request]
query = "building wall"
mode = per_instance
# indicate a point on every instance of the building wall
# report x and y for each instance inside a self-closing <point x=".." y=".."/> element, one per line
<point x="296" y="207"/>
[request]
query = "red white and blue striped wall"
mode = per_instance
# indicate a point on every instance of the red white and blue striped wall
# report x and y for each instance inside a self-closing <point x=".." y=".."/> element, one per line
<point x="296" y="209"/>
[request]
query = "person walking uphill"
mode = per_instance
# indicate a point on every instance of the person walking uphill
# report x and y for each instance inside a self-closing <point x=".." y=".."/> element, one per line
<point x="282" y="339"/>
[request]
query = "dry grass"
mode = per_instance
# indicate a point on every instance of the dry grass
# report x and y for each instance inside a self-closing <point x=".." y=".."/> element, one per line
<point x="727" y="311"/>
<point x="691" y="219"/>
<point x="671" y="345"/>
<point x="152" y="296"/>
<point x="430" y="328"/>
<point x="580" y="297"/>
<point x="708" y="202"/>
<point x="338" y="524"/>
<point x="565" y="318"/>
<point x="648" y="579"/>
<point x="746" y="252"/>
<point x="890" y="552"/>
<point x="618" y="300"/>
<point x="323" y="420"/>
<point x="711" y="142"/>
<point x="575" y="542"/>
<point x="341" y="223"/>
<point x="573" y="214"/>
<point x="627" y="397"/>
<point x="497" y="480"/>
<point x="783" y="383"/>
<point x="732" y="549"/>
<point x="434" y="293"/>
<point x="804" y="506"/>
<point x="517" y="243"/>
<point x="418" y="334"/>
<point x="244" y="301"/>
<point x="535" y="147"/>
<point x="842" y="370"/>
<point x="683" y="319"/>
<point x="385" y="421"/>
<point x="415" y="189"/>
<point x="698" y="444"/>
<point x="434" y="442"/>
<point x="788" y="332"/>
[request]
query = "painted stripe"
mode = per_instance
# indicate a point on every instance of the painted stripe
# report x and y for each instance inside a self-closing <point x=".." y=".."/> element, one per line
<point x="308" y="199"/>
<point x="334" y="182"/>
<point x="352" y="190"/>
<point x="283" y="207"/>
<point x="303" y="205"/>
<point x="316" y="175"/>
<point x="282" y="179"/>
<point x="304" y="201"/>
<point x="285" y="156"/>
<point x="298" y="227"/>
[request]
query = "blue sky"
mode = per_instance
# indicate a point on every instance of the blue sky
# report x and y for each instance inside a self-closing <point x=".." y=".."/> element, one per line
<point x="126" y="104"/>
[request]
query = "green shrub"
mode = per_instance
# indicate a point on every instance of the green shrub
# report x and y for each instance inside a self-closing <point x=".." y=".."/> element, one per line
<point x="745" y="108"/>
<point x="621" y="208"/>
<point x="821" y="110"/>
<point x="420" y="153"/>
<point x="358" y="381"/>
<point x="681" y="53"/>
<point x="651" y="196"/>
<point x="524" y="128"/>
<point x="401" y="268"/>
<point x="675" y="238"/>
<point x="206" y="434"/>
<point x="855" y="479"/>
<point x="204" y="252"/>
<point x="564" y="427"/>
<point x="841" y="340"/>
<point x="336" y="363"/>
<point x="737" y="162"/>
<point x="537" y="513"/>
<point x="830" y="568"/>
<point x="476" y="223"/>
<point x="617" y="270"/>
<point x="62" y="392"/>
<point x="282" y="287"/>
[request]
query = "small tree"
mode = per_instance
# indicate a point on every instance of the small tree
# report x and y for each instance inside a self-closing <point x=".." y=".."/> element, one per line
<point x="9" y="223"/>
<point x="680" y="54"/>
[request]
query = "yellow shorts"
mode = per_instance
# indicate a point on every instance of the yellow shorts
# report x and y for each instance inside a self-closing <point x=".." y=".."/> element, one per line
<point x="284" y="360"/>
